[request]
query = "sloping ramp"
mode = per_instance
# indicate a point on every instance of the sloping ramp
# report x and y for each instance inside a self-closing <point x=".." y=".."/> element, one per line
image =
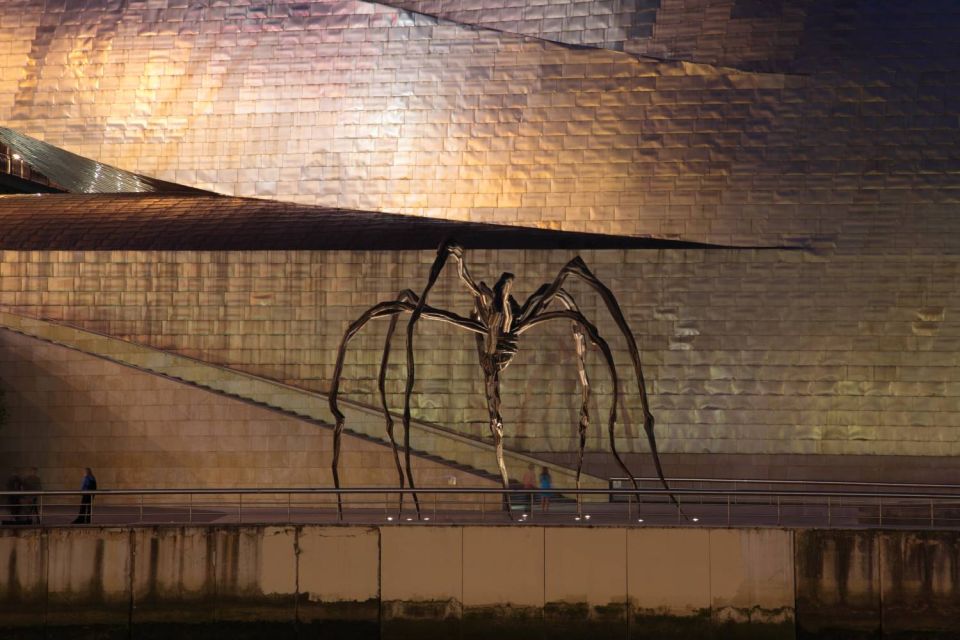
<point x="427" y="440"/>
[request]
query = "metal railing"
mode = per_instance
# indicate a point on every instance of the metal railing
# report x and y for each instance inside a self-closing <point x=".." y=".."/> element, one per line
<point x="935" y="508"/>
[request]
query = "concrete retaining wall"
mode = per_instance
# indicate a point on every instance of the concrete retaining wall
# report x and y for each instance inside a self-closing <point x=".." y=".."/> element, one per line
<point x="401" y="581"/>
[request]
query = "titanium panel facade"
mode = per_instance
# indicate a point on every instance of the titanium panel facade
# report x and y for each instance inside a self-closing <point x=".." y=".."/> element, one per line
<point x="832" y="125"/>
<point x="365" y="106"/>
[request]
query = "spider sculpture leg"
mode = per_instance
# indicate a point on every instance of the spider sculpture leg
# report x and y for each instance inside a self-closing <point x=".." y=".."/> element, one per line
<point x="492" y="388"/>
<point x="544" y="296"/>
<point x="408" y="296"/>
<point x="580" y="344"/>
<point x="445" y="250"/>
<point x="383" y="309"/>
<point x="595" y="338"/>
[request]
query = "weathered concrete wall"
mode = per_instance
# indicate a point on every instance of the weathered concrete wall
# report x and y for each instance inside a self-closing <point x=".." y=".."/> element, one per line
<point x="403" y="581"/>
<point x="68" y="410"/>
<point x="866" y="584"/>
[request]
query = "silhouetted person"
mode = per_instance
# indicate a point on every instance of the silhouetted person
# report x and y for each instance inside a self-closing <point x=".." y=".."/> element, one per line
<point x="86" y="501"/>
<point x="31" y="483"/>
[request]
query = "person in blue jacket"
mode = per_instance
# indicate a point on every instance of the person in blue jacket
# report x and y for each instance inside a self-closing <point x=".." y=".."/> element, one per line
<point x="546" y="483"/>
<point x="86" y="501"/>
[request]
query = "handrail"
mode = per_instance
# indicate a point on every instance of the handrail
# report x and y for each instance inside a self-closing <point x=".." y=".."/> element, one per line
<point x="728" y="507"/>
<point x="478" y="491"/>
<point x="844" y="483"/>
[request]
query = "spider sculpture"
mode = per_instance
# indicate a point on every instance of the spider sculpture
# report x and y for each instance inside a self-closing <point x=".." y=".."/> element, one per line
<point x="497" y="321"/>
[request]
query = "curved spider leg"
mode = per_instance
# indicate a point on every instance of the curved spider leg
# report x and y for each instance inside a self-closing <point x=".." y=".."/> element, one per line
<point x="580" y="344"/>
<point x="492" y="389"/>
<point x="579" y="268"/>
<point x="534" y="297"/>
<point x="445" y="250"/>
<point x="611" y="366"/>
<point x="435" y="270"/>
<point x="382" y="309"/>
<point x="595" y="338"/>
<point x="408" y="296"/>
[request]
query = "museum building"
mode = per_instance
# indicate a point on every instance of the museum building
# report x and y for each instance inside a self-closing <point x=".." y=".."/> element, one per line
<point x="201" y="196"/>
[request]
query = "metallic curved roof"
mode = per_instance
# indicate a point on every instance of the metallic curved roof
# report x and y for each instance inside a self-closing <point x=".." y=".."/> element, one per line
<point x="209" y="222"/>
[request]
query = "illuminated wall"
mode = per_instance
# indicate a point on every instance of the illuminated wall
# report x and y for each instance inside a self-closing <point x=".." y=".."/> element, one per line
<point x="746" y="352"/>
<point x="827" y="124"/>
<point x="847" y="134"/>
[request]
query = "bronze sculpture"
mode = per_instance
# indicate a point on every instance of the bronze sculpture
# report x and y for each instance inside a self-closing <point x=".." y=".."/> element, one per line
<point x="497" y="321"/>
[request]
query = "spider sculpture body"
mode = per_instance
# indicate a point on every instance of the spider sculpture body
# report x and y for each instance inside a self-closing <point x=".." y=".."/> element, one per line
<point x="497" y="322"/>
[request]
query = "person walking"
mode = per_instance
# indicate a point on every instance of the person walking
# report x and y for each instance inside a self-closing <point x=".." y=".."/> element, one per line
<point x="31" y="515"/>
<point x="86" y="501"/>
<point x="546" y="483"/>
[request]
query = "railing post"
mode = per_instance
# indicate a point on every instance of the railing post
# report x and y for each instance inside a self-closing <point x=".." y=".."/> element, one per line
<point x="40" y="510"/>
<point x="190" y="508"/>
<point x="931" y="513"/>
<point x="141" y="507"/>
<point x="289" y="498"/>
<point x="240" y="508"/>
<point x="778" y="510"/>
<point x="829" y="513"/>
<point x="728" y="508"/>
<point x="880" y="511"/>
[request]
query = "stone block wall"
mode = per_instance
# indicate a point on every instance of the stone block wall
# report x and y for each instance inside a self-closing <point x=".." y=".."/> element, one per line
<point x="68" y="410"/>
<point x="745" y="352"/>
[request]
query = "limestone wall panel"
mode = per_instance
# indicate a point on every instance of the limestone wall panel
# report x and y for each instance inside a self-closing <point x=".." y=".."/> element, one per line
<point x="255" y="569"/>
<point x="585" y="566"/>
<point x="23" y="586"/>
<point x="839" y="582"/>
<point x="751" y="576"/>
<point x="174" y="575"/>
<point x="338" y="570"/>
<point x="503" y="566"/>
<point x="88" y="576"/>
<point x="920" y="588"/>
<point x="668" y="571"/>
<point x="421" y="564"/>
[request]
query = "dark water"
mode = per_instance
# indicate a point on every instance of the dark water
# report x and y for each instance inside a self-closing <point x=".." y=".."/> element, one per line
<point x="470" y="628"/>
<point x="457" y="629"/>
